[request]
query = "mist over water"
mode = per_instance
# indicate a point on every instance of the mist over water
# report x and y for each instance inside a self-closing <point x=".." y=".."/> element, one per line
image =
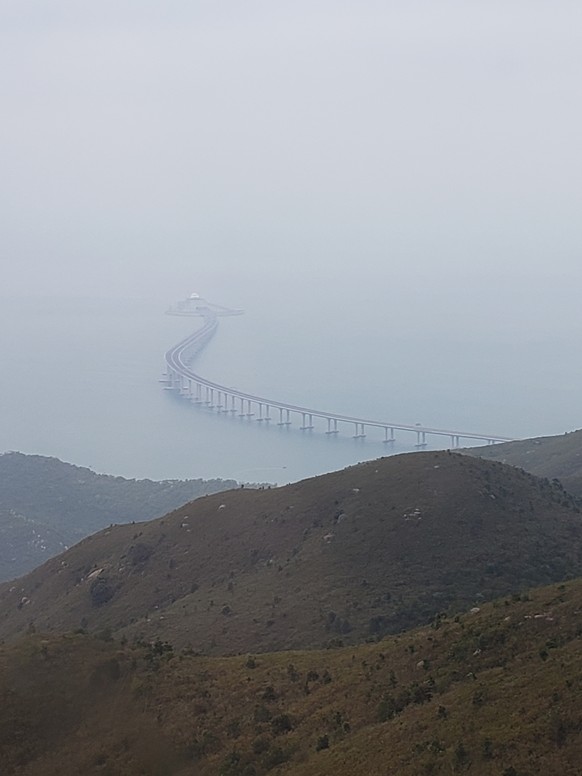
<point x="82" y="381"/>
<point x="389" y="190"/>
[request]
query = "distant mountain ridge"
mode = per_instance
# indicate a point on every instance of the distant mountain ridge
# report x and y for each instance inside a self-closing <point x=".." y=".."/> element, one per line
<point x="555" y="457"/>
<point x="343" y="557"/>
<point x="47" y="505"/>
<point x="25" y="543"/>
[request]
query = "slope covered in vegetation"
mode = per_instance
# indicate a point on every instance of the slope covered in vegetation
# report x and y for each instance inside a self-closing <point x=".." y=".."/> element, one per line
<point x="370" y="550"/>
<point x="558" y="457"/>
<point x="492" y="691"/>
<point x="47" y="505"/>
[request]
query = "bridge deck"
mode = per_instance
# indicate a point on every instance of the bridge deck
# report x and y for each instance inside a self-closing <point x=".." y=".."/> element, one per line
<point x="179" y="357"/>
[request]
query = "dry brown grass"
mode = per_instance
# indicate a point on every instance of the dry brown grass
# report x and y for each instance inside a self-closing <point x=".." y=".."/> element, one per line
<point x="344" y="557"/>
<point x="552" y="457"/>
<point x="493" y="691"/>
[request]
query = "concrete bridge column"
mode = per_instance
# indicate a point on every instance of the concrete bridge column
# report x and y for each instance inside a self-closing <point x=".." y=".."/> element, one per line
<point x="282" y="422"/>
<point x="389" y="439"/>
<point x="250" y="412"/>
<point x="420" y="439"/>
<point x="331" y="430"/>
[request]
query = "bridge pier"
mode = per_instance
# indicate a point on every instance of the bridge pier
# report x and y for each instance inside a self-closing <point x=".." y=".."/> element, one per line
<point x="360" y="432"/>
<point x="266" y="415"/>
<point x="184" y="387"/>
<point x="331" y="430"/>
<point x="180" y="379"/>
<point x="282" y="422"/>
<point x="261" y="416"/>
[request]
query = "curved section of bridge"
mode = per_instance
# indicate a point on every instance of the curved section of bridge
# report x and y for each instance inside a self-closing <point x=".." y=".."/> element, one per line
<point x="181" y="379"/>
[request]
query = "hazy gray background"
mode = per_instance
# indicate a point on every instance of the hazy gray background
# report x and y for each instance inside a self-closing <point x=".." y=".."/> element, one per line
<point x="390" y="189"/>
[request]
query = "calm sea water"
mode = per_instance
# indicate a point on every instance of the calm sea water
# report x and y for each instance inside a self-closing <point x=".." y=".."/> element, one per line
<point x="80" y="378"/>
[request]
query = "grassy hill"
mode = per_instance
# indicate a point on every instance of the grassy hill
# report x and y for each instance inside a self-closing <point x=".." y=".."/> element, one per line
<point x="552" y="457"/>
<point x="47" y="505"/>
<point x="494" y="692"/>
<point x="340" y="558"/>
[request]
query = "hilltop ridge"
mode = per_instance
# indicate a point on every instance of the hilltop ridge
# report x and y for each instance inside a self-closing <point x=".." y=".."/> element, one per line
<point x="373" y="549"/>
<point x="557" y="457"/>
<point x="47" y="505"/>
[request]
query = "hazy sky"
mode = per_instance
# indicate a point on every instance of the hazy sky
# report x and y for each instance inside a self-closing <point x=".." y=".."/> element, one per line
<point x="146" y="143"/>
<point x="391" y="189"/>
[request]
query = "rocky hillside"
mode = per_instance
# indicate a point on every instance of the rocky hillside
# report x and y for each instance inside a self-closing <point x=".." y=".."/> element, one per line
<point x="25" y="543"/>
<point x="557" y="457"/>
<point x="493" y="692"/>
<point x="339" y="558"/>
<point x="47" y="505"/>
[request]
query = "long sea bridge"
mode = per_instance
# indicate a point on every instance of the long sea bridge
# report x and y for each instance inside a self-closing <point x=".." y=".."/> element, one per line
<point x="181" y="379"/>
